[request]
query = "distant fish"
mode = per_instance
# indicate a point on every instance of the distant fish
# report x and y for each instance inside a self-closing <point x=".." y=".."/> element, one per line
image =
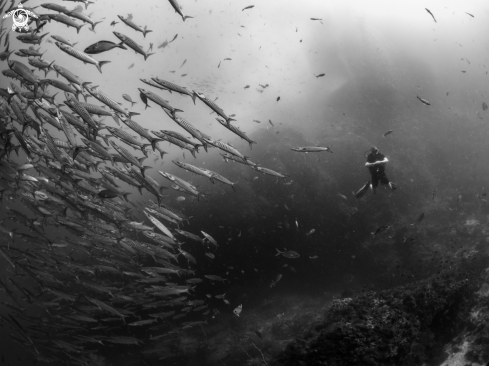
<point x="320" y="75"/>
<point x="271" y="122"/>
<point x="113" y="23"/>
<point x="131" y="66"/>
<point x="434" y="192"/>
<point x="320" y="20"/>
<point x="380" y="229"/>
<point x="176" y="35"/>
<point x="308" y="149"/>
<point x="246" y="87"/>
<point x="276" y="280"/>
<point x="424" y="101"/>
<point x="484" y="106"/>
<point x="183" y="63"/>
<point x="288" y="254"/>
<point x="469" y="14"/>
<point x="129" y="99"/>
<point x="255" y="120"/>
<point x="103" y="46"/>
<point x="420" y="218"/>
<point x="219" y="64"/>
<point x="258" y="334"/>
<point x="228" y="59"/>
<point x="278" y="98"/>
<point x="312" y="231"/>
<point x="107" y="194"/>
<point x="428" y="10"/>
<point x="248" y="7"/>
<point x="184" y="75"/>
<point x="178" y="9"/>
<point x="238" y="310"/>
<point x="342" y="196"/>
<point x="164" y="44"/>
<point x="388" y="133"/>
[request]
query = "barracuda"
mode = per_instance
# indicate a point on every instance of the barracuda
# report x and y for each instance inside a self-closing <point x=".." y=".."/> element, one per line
<point x="82" y="56"/>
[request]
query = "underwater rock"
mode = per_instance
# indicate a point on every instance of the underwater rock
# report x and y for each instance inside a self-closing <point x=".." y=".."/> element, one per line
<point x="406" y="325"/>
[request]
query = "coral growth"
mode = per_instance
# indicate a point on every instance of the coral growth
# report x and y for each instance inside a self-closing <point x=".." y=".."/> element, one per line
<point x="406" y="325"/>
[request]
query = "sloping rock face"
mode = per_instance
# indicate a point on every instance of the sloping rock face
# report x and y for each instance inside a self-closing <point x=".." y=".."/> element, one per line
<point x="404" y="326"/>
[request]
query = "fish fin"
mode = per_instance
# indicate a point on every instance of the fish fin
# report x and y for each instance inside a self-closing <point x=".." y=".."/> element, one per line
<point x="125" y="195"/>
<point x="186" y="17"/>
<point x="251" y="144"/>
<point x="278" y="252"/>
<point x="121" y="45"/>
<point x="134" y="113"/>
<point x="140" y="189"/>
<point x="100" y="64"/>
<point x="193" y="153"/>
<point x="193" y="96"/>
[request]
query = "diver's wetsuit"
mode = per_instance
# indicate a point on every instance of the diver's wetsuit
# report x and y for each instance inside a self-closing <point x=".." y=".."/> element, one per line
<point x="377" y="171"/>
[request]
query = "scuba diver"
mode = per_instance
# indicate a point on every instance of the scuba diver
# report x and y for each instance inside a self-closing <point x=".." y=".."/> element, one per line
<point x="376" y="165"/>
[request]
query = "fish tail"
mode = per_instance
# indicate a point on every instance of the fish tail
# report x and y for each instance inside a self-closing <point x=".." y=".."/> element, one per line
<point x="44" y="35"/>
<point x="79" y="27"/>
<point x="115" y="118"/>
<point x="174" y="111"/>
<point x="193" y="153"/>
<point x="12" y="232"/>
<point x="140" y="189"/>
<point x="186" y="17"/>
<point x="133" y="103"/>
<point x="143" y="149"/>
<point x="105" y="137"/>
<point x="205" y="146"/>
<point x="121" y="45"/>
<point x="143" y="169"/>
<point x="125" y="195"/>
<point x="100" y="64"/>
<point x="251" y="144"/>
<point x="193" y="96"/>
<point x="94" y="24"/>
<point x="278" y="252"/>
<point x="153" y="145"/>
<point x="147" y="55"/>
<point x="145" y="31"/>
<point x="134" y="114"/>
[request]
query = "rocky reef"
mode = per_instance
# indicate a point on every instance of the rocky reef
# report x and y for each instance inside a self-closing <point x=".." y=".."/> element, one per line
<point x="406" y="325"/>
